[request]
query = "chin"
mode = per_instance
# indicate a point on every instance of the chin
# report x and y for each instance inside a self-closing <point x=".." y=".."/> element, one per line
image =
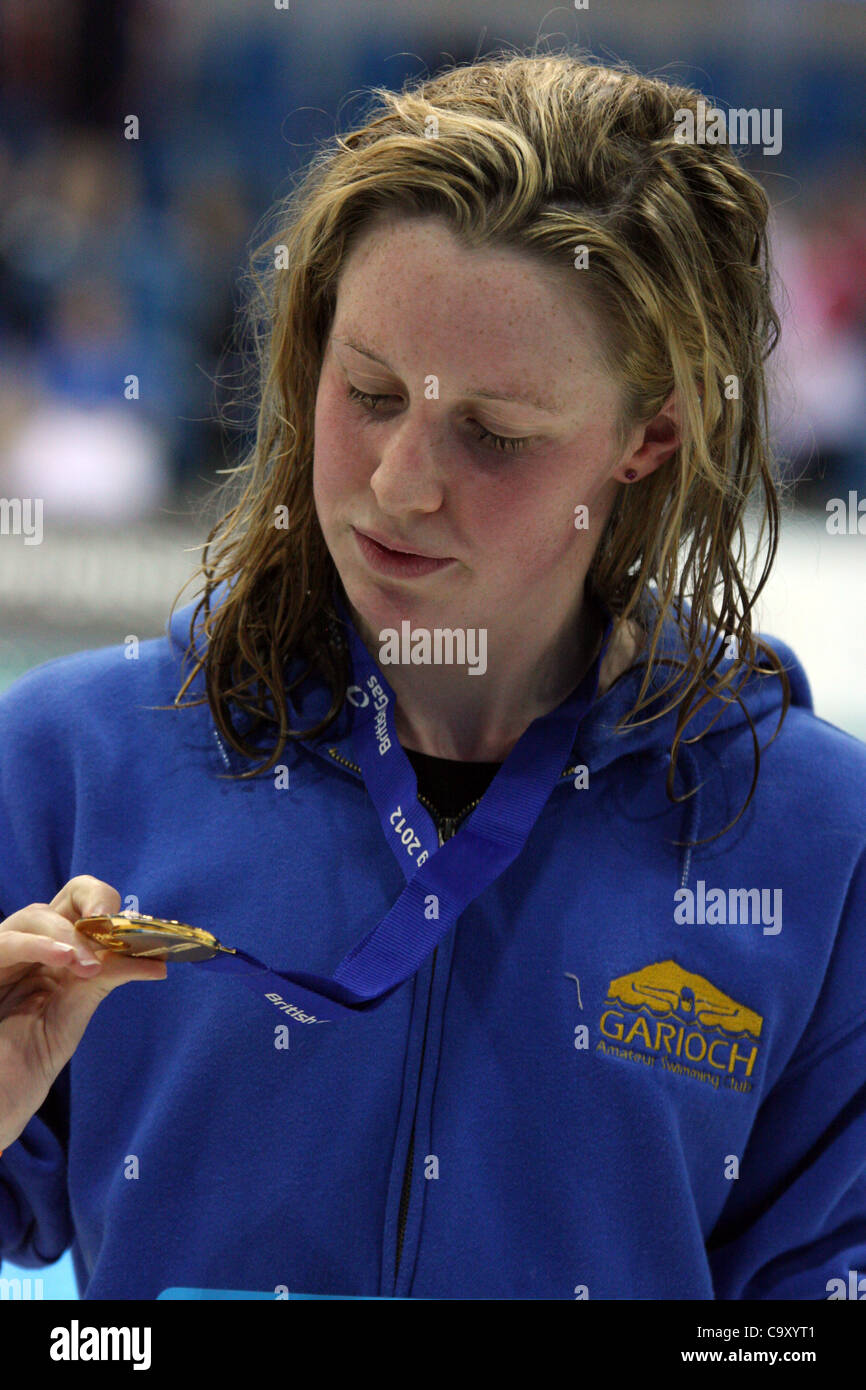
<point x="384" y="605"/>
<point x="380" y="604"/>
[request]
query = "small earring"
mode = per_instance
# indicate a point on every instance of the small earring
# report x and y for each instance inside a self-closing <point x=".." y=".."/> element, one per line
<point x="631" y="474"/>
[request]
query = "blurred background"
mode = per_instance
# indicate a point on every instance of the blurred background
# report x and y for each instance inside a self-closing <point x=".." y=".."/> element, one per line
<point x="121" y="258"/>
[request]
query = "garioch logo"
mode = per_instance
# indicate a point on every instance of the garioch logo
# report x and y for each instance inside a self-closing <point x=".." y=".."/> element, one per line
<point x="665" y="1014"/>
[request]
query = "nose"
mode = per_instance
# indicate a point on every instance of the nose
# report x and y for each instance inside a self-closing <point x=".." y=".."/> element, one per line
<point x="407" y="477"/>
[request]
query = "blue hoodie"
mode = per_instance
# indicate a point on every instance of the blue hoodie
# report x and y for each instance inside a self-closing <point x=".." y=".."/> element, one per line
<point x="622" y="1075"/>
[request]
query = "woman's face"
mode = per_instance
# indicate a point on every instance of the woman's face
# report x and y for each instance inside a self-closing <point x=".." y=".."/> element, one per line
<point x="461" y="345"/>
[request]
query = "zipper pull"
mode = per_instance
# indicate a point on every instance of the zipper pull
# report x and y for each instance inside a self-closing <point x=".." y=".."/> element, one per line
<point x="446" y="828"/>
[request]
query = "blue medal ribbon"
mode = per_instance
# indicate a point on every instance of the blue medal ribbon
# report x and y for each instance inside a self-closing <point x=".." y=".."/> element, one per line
<point x="441" y="880"/>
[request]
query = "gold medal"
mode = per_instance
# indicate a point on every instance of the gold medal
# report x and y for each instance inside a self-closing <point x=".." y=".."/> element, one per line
<point x="135" y="934"/>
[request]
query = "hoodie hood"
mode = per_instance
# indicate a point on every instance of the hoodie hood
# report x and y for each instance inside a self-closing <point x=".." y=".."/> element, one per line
<point x="597" y="742"/>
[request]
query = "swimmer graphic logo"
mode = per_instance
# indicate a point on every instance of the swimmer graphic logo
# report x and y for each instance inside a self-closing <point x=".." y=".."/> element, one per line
<point x="665" y="1015"/>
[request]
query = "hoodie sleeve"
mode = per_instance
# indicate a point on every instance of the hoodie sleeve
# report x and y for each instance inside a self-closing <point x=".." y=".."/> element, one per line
<point x="797" y="1218"/>
<point x="35" y="798"/>
<point x="35" y="1219"/>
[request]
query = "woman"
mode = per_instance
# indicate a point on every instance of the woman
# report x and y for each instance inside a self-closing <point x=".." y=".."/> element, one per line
<point x="567" y="993"/>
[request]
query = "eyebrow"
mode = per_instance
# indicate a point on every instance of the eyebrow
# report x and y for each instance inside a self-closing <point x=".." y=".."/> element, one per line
<point x="518" y="399"/>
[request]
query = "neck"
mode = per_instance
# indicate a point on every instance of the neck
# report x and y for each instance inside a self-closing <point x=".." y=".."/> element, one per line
<point x="447" y="713"/>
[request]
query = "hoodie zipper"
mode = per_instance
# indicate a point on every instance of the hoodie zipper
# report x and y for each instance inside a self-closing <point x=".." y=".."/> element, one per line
<point x="446" y="826"/>
<point x="338" y="757"/>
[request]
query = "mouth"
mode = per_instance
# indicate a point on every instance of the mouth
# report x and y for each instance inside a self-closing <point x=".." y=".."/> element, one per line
<point x="396" y="549"/>
<point x="395" y="561"/>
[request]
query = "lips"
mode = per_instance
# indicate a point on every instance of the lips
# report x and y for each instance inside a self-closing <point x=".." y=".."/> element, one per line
<point x="397" y="548"/>
<point x="385" y="559"/>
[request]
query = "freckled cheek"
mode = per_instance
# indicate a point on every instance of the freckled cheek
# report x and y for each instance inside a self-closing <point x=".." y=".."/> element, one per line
<point x="529" y="526"/>
<point x="544" y="547"/>
<point x="339" y="465"/>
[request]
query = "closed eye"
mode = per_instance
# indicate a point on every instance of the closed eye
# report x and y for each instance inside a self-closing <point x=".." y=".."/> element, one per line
<point x="501" y="442"/>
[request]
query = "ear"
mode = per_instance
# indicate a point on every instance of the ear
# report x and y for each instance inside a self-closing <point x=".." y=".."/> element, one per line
<point x="651" y="444"/>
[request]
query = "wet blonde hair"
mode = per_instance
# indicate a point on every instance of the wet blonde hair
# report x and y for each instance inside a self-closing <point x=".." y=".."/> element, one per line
<point x="541" y="153"/>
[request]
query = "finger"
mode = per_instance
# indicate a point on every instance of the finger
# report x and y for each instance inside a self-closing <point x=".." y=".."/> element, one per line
<point x="40" y="920"/>
<point x="24" y="984"/>
<point x="122" y="970"/>
<point x="30" y="946"/>
<point x="86" y="896"/>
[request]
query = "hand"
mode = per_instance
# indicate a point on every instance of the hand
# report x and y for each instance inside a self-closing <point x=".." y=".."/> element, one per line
<point x="51" y="981"/>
